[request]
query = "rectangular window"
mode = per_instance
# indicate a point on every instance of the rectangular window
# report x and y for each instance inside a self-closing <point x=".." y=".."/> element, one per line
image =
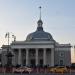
<point x="61" y="54"/>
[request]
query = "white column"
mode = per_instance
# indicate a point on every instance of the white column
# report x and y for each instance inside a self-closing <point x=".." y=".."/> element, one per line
<point x="19" y="57"/>
<point x="27" y="57"/>
<point x="36" y="57"/>
<point x="44" y="56"/>
<point x="52" y="57"/>
<point x="13" y="58"/>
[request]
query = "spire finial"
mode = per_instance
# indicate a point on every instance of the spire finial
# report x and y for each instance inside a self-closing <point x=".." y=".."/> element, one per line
<point x="40" y="12"/>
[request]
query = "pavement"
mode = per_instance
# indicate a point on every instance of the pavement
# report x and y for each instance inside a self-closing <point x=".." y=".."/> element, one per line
<point x="73" y="73"/>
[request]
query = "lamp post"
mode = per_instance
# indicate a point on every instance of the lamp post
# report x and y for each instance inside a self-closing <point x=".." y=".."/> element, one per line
<point x="9" y="55"/>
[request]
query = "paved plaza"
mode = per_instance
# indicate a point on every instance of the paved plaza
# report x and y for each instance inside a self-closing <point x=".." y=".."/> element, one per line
<point x="73" y="73"/>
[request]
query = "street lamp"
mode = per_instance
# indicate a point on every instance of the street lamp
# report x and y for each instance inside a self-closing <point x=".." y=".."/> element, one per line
<point x="9" y="54"/>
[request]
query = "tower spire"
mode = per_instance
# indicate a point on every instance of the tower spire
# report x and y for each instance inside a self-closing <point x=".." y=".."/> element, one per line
<point x="40" y="22"/>
<point x="40" y="12"/>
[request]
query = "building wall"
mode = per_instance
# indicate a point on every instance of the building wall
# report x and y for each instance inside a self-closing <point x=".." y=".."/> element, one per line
<point x="63" y="54"/>
<point x="4" y="58"/>
<point x="57" y="54"/>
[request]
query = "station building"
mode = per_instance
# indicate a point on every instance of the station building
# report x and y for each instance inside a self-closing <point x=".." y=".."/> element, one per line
<point x="39" y="48"/>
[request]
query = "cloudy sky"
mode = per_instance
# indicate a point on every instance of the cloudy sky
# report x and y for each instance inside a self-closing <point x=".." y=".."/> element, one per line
<point x="19" y="17"/>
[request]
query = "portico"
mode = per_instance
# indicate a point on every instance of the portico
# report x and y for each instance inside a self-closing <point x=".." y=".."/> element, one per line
<point x="34" y="56"/>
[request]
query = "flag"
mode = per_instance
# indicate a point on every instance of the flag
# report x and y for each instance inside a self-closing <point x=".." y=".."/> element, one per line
<point x="6" y="35"/>
<point x="14" y="37"/>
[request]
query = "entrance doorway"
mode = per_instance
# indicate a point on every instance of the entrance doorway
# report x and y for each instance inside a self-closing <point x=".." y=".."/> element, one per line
<point x="41" y="62"/>
<point x="32" y="62"/>
<point x="24" y="62"/>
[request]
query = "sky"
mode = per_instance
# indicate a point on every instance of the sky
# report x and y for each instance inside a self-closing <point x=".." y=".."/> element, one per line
<point x="19" y="17"/>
